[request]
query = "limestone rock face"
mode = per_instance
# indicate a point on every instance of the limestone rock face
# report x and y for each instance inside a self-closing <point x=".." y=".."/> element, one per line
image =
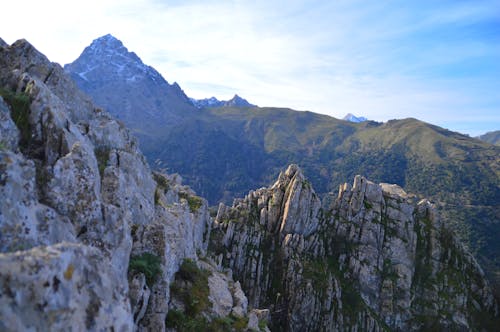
<point x="74" y="189"/>
<point x="220" y="295"/>
<point x="56" y="287"/>
<point x="9" y="134"/>
<point x="372" y="260"/>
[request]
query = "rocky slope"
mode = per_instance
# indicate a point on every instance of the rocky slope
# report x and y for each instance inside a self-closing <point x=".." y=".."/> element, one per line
<point x="373" y="259"/>
<point x="90" y="238"/>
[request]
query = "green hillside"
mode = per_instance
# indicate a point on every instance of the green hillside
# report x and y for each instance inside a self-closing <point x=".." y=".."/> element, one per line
<point x="225" y="152"/>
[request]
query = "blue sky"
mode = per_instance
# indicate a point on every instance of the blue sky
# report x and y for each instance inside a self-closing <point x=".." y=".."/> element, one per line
<point x="438" y="61"/>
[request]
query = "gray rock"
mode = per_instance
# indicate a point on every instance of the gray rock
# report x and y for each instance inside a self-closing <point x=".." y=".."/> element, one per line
<point x="240" y="301"/>
<point x="253" y="322"/>
<point x="24" y="221"/>
<point x="374" y="253"/>
<point x="56" y="287"/>
<point x="82" y="179"/>
<point x="139" y="294"/>
<point x="9" y="134"/>
<point x="220" y="295"/>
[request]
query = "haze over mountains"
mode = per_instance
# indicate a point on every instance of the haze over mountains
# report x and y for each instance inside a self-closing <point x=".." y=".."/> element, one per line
<point x="223" y="152"/>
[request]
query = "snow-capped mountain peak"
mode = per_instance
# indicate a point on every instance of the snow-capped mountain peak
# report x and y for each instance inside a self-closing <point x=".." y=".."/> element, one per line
<point x="119" y="79"/>
<point x="352" y="118"/>
<point x="236" y="101"/>
<point x="110" y="53"/>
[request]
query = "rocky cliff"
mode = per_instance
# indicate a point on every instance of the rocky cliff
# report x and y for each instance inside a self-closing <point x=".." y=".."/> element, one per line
<point x="372" y="259"/>
<point x="90" y="238"/>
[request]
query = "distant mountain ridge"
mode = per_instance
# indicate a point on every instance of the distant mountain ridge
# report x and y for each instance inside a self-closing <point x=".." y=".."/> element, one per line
<point x="236" y="101"/>
<point x="492" y="137"/>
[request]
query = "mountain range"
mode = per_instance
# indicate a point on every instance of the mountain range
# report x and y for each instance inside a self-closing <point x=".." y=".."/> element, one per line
<point x="236" y="101"/>
<point x="225" y="151"/>
<point x="92" y="239"/>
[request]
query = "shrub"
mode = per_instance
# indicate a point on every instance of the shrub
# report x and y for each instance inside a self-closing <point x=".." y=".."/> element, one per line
<point x="162" y="185"/>
<point x="191" y="287"/>
<point x="185" y="323"/>
<point x="19" y="110"/>
<point x="194" y="202"/>
<point x="148" y="264"/>
<point x="102" y="156"/>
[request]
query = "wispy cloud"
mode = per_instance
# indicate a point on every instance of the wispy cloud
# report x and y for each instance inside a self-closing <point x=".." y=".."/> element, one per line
<point x="437" y="61"/>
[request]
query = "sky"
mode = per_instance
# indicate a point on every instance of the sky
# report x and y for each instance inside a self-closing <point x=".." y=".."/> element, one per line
<point x="434" y="60"/>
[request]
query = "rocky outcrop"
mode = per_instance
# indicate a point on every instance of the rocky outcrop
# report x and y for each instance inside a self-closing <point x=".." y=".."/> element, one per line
<point x="77" y="203"/>
<point x="205" y="297"/>
<point x="372" y="260"/>
<point x="51" y="288"/>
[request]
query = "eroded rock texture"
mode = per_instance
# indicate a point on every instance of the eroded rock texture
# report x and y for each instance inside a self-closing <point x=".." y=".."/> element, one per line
<point x="373" y="260"/>
<point x="77" y="195"/>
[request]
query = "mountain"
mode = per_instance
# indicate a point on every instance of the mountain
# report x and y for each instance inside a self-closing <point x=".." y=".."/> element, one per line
<point x="223" y="152"/>
<point x="91" y="239"/>
<point x="352" y="118"/>
<point x="492" y="137"/>
<point x="130" y="90"/>
<point x="236" y="101"/>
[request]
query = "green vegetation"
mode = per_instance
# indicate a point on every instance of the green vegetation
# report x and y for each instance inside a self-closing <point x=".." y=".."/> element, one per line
<point x="102" y="156"/>
<point x="147" y="263"/>
<point x="367" y="204"/>
<point x="319" y="271"/>
<point x="195" y="294"/>
<point x="191" y="287"/>
<point x="194" y="202"/>
<point x="20" y="111"/>
<point x="185" y="323"/>
<point x="162" y="185"/>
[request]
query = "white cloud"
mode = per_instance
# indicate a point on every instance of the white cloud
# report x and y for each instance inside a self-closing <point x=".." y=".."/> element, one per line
<point x="378" y="59"/>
